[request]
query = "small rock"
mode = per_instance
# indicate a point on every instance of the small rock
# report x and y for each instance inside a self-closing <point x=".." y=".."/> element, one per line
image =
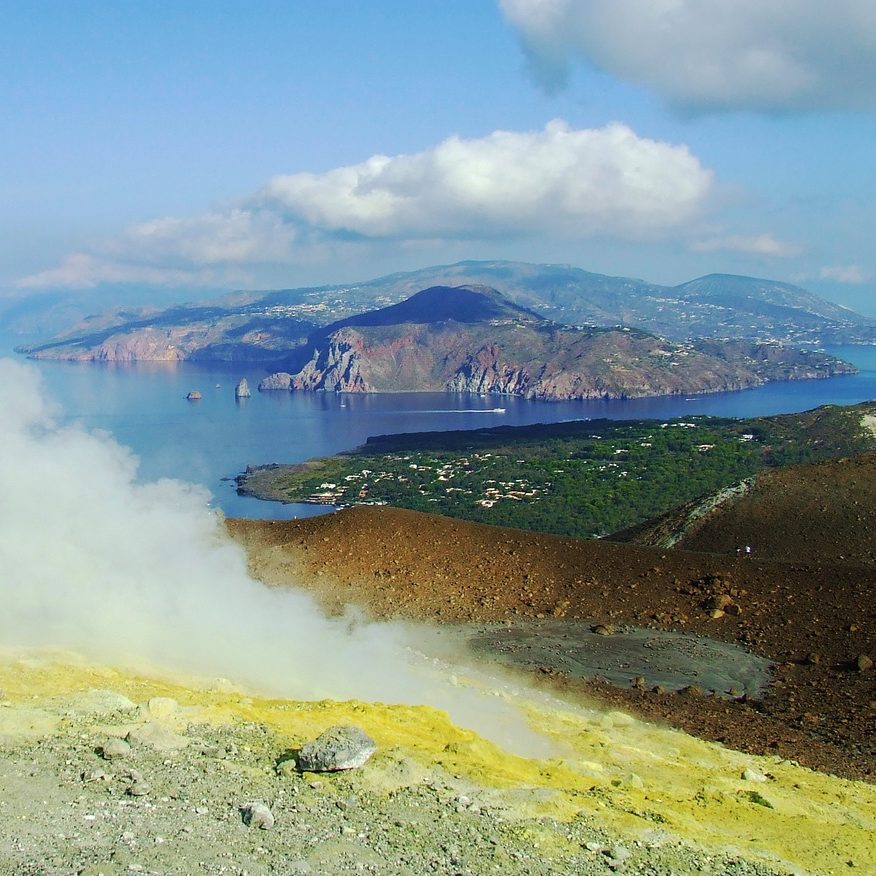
<point x="717" y="613"/>
<point x="813" y="659"/>
<point x="162" y="707"/>
<point x="720" y="602"/>
<point x="864" y="662"/>
<point x="257" y="815"/>
<point x="692" y="690"/>
<point x="194" y="395"/>
<point x="242" y="389"/>
<point x="158" y="736"/>
<point x="115" y="749"/>
<point x="658" y="689"/>
<point x="639" y="682"/>
<point x="97" y="775"/>
<point x="342" y="747"/>
<point x="753" y="775"/>
<point x="138" y="789"/>
<point x="733" y="609"/>
<point x="602" y="629"/>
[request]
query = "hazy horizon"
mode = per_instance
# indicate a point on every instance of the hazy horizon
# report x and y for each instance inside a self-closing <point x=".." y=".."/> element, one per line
<point x="175" y="151"/>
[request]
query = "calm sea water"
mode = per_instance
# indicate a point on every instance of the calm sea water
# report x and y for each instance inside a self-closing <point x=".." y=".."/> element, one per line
<point x="212" y="440"/>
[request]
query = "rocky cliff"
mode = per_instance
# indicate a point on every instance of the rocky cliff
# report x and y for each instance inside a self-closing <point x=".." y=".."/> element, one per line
<point x="498" y="347"/>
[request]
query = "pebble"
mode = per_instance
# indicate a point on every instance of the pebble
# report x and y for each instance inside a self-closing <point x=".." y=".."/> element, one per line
<point x="257" y="815"/>
<point x="753" y="775"/>
<point x="158" y="736"/>
<point x="97" y="775"/>
<point x="138" y="789"/>
<point x="114" y="749"/>
<point x="692" y="690"/>
<point x="864" y="662"/>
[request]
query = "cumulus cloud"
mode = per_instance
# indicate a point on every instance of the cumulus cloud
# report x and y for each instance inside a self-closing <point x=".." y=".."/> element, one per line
<point x="557" y="181"/>
<point x="143" y="576"/>
<point x="760" y="245"/>
<point x="576" y="182"/>
<point x="853" y="275"/>
<point x="712" y="54"/>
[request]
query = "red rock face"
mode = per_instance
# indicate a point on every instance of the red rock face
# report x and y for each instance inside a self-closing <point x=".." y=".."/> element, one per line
<point x="537" y="360"/>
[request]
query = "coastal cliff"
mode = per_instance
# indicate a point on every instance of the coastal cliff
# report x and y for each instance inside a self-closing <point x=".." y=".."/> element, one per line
<point x="493" y="346"/>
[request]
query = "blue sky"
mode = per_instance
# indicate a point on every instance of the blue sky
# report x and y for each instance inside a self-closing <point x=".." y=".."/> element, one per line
<point x="199" y="146"/>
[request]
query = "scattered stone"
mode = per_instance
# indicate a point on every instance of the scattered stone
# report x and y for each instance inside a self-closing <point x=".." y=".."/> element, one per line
<point x="161" y="707"/>
<point x="813" y="659"/>
<point x="658" y="689"/>
<point x="342" y="747"/>
<point x="257" y="815"/>
<point x="102" y="702"/>
<point x="158" y="736"/>
<point x="602" y="629"/>
<point x="138" y="789"/>
<point x="96" y="775"/>
<point x="753" y="775"/>
<point x="864" y="662"/>
<point x="115" y="749"/>
<point x="719" y="602"/>
<point x="242" y="389"/>
<point x="717" y="613"/>
<point x="639" y="682"/>
<point x="692" y="690"/>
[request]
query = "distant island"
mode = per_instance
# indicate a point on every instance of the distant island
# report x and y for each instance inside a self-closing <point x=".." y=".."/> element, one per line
<point x="473" y="339"/>
<point x="271" y="326"/>
<point x="467" y="338"/>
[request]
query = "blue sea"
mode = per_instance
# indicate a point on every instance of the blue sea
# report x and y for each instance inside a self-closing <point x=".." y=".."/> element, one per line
<point x="210" y="441"/>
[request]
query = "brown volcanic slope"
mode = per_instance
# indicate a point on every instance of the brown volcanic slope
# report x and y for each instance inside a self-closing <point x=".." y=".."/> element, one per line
<point x="825" y="511"/>
<point x="812" y="618"/>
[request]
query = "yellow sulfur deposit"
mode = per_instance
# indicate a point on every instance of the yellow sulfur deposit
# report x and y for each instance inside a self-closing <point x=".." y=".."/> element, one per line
<point x="642" y="780"/>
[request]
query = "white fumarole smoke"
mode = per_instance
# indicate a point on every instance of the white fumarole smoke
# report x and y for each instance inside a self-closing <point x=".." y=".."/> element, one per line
<point x="143" y="575"/>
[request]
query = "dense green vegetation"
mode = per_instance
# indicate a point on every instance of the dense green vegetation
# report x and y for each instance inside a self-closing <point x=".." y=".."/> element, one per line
<point x="585" y="478"/>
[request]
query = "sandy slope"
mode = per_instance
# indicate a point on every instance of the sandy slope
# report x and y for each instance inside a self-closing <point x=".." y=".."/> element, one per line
<point x="820" y="712"/>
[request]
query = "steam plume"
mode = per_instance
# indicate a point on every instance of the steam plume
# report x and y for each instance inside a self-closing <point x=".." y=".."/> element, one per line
<point x="132" y="573"/>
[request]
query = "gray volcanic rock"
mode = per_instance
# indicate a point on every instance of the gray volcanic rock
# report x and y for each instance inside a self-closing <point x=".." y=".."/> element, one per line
<point x="340" y="748"/>
<point x="279" y="380"/>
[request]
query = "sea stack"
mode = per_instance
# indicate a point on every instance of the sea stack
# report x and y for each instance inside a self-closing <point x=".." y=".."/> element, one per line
<point x="242" y="389"/>
<point x="194" y="395"/>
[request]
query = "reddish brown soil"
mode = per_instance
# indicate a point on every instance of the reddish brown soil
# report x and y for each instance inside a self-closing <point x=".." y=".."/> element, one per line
<point x="824" y="512"/>
<point x="812" y="619"/>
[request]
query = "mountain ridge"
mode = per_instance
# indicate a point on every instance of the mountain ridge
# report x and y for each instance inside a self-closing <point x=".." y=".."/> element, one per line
<point x="256" y="324"/>
<point x="498" y="347"/>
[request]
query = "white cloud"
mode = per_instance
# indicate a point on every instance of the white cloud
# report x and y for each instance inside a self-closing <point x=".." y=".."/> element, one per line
<point x="712" y="54"/>
<point x="574" y="184"/>
<point x="761" y="244"/>
<point x="84" y="271"/>
<point x="853" y="275"/>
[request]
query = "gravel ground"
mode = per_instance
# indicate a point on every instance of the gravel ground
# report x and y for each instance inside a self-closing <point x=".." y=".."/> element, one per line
<point x="65" y="809"/>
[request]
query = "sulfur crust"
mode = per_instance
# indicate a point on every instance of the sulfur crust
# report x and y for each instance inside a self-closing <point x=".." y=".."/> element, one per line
<point x="640" y="779"/>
